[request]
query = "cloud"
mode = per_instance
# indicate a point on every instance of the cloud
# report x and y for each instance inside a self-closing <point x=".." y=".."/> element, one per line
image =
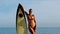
<point x="8" y="13"/>
<point x="7" y="5"/>
<point x="47" y="12"/>
<point x="8" y="20"/>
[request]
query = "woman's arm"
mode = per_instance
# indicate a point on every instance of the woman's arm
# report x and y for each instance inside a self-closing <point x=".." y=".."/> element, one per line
<point x="35" y="23"/>
<point x="26" y="13"/>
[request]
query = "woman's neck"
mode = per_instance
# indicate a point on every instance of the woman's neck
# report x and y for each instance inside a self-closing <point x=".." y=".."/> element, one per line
<point x="30" y="14"/>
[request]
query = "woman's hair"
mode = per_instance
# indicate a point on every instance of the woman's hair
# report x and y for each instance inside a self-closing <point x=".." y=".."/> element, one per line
<point x="30" y="10"/>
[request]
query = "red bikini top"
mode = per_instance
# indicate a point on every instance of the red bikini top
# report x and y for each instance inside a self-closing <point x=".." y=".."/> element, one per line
<point x="31" y="18"/>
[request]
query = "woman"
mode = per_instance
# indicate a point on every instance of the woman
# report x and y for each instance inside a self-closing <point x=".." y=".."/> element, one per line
<point x="31" y="22"/>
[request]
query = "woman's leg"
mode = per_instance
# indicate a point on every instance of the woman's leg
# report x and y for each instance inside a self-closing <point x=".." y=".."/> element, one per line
<point x="31" y="30"/>
<point x="34" y="29"/>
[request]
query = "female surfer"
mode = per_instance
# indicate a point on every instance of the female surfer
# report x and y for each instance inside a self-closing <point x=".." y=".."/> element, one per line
<point x="31" y="22"/>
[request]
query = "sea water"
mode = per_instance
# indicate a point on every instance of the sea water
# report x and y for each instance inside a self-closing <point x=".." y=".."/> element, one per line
<point x="48" y="30"/>
<point x="6" y="30"/>
<point x="41" y="30"/>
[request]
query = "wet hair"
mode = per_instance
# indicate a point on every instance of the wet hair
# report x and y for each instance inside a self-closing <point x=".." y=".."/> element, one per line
<point x="30" y="10"/>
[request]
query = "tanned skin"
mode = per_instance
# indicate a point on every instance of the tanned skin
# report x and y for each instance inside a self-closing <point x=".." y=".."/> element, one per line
<point x="31" y="22"/>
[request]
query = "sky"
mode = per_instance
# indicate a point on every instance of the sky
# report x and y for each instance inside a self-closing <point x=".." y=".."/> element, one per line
<point x="47" y="12"/>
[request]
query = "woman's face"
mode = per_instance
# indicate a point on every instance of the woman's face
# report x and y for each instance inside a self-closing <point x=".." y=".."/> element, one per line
<point x="30" y="12"/>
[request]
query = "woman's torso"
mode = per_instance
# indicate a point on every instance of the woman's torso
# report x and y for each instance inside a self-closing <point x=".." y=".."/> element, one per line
<point x="31" y="21"/>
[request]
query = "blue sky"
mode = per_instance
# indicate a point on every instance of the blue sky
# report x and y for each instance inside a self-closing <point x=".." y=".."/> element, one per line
<point x="47" y="12"/>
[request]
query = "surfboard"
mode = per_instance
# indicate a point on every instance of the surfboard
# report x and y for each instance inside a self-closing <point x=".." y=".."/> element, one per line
<point x="21" y="25"/>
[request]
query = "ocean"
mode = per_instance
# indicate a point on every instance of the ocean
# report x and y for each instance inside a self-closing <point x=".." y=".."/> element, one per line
<point x="42" y="30"/>
<point x="7" y="30"/>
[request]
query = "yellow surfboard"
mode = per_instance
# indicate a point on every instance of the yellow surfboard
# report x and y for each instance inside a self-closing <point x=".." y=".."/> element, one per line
<point x="21" y="25"/>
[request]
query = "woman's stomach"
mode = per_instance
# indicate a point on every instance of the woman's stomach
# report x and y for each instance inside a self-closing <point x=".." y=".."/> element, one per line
<point x="32" y="23"/>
